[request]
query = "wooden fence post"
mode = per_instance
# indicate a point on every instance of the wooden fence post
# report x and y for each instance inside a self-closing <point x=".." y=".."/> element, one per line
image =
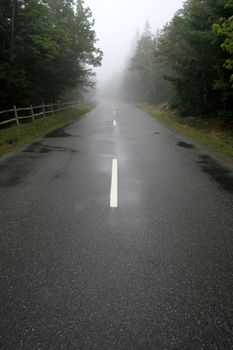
<point x="43" y="109"/>
<point x="16" y="115"/>
<point x="52" y="108"/>
<point x="33" y="118"/>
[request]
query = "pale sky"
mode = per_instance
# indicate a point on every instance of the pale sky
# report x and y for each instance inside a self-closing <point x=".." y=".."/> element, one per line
<point x="117" y="22"/>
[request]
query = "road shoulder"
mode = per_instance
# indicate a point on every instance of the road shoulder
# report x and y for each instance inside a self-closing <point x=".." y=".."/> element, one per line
<point x="217" y="140"/>
<point x="15" y="137"/>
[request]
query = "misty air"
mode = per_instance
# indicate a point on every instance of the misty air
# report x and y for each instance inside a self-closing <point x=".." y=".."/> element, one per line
<point x="116" y="174"/>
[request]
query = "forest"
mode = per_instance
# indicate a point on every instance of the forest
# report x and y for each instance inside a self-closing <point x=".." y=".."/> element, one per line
<point x="47" y="49"/>
<point x="188" y="63"/>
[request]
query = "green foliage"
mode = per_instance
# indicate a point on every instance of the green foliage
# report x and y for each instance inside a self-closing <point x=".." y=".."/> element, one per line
<point x="144" y="76"/>
<point x="189" y="48"/>
<point x="194" y="53"/>
<point x="224" y="28"/>
<point x="46" y="47"/>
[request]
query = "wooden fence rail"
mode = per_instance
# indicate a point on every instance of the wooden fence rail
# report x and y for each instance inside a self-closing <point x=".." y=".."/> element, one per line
<point x="33" y="112"/>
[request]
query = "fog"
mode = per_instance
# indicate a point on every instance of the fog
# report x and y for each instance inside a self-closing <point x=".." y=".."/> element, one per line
<point x="116" y="23"/>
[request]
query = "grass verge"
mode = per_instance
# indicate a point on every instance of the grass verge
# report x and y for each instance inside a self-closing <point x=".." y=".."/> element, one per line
<point x="214" y="135"/>
<point x="12" y="137"/>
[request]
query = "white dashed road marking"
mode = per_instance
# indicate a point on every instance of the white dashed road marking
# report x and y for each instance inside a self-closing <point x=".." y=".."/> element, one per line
<point x="114" y="185"/>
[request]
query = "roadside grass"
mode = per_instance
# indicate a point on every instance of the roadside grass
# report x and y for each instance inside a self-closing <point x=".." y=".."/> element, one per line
<point x="214" y="135"/>
<point x="13" y="137"/>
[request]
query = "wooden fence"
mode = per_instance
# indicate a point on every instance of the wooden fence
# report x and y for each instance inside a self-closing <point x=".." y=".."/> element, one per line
<point x="32" y="112"/>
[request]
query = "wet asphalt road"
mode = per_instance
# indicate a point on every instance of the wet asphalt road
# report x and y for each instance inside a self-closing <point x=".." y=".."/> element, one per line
<point x="154" y="273"/>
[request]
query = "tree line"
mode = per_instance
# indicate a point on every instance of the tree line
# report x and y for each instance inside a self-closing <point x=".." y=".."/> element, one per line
<point x="188" y="63"/>
<point x="47" y="48"/>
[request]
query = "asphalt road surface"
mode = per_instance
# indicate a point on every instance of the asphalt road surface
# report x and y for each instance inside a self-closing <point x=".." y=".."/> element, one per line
<point x="116" y="233"/>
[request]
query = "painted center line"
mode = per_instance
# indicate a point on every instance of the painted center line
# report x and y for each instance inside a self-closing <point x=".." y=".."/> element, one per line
<point x="114" y="123"/>
<point x="114" y="185"/>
